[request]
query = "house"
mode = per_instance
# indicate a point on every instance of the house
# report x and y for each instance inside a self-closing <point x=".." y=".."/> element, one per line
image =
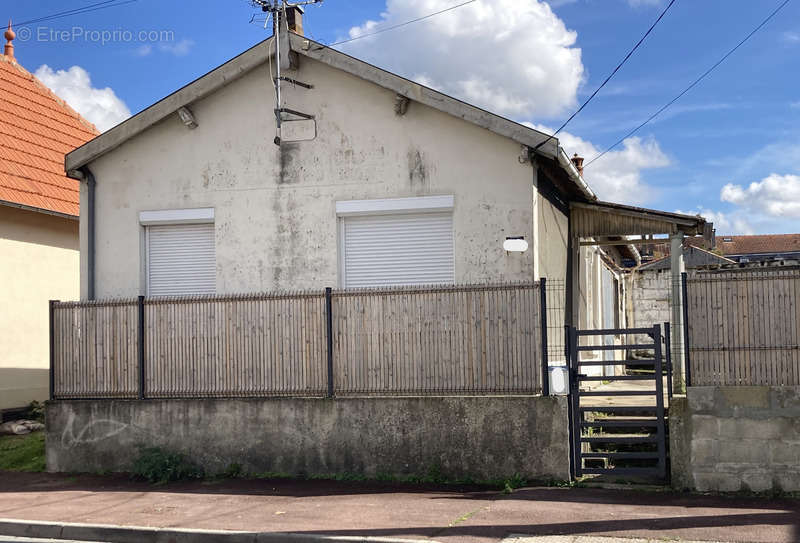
<point x="38" y="224"/>
<point x="375" y="181"/>
<point x="760" y="248"/>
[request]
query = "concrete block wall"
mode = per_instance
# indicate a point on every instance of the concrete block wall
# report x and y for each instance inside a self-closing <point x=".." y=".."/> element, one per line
<point x="649" y="299"/>
<point x="484" y="438"/>
<point x="731" y="439"/>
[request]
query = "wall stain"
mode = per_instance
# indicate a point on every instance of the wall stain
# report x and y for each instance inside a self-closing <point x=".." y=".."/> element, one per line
<point x="418" y="180"/>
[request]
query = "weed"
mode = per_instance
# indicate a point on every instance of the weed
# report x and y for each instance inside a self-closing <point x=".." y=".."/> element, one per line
<point x="159" y="466"/>
<point x="233" y="471"/>
<point x="34" y="411"/>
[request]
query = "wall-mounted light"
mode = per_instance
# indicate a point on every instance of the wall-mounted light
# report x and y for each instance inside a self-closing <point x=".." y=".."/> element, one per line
<point x="187" y="117"/>
<point x="515" y="245"/>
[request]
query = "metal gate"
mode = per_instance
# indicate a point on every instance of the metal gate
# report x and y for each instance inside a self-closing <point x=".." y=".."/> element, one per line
<point x="619" y="420"/>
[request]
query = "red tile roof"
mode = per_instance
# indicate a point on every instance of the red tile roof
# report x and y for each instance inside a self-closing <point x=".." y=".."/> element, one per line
<point x="36" y="130"/>
<point x="770" y="243"/>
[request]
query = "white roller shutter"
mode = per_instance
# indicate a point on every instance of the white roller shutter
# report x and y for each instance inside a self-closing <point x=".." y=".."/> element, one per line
<point x="398" y="249"/>
<point x="181" y="260"/>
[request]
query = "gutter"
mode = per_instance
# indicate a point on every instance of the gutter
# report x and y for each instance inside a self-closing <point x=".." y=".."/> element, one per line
<point x="572" y="172"/>
<point x="85" y="174"/>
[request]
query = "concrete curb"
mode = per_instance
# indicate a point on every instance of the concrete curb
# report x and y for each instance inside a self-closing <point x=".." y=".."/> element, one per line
<point x="134" y="534"/>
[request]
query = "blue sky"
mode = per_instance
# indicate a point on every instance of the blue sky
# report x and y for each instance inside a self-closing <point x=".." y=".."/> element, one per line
<point x="729" y="149"/>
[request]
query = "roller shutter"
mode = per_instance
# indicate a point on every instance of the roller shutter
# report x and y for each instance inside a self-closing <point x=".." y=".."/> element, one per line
<point x="181" y="260"/>
<point x="398" y="249"/>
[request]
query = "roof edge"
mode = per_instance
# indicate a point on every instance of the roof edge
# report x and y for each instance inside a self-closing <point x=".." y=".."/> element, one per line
<point x="42" y="210"/>
<point x="425" y="95"/>
<point x="258" y="54"/>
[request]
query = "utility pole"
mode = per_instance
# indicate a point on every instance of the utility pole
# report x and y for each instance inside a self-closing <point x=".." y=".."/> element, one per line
<point x="277" y="9"/>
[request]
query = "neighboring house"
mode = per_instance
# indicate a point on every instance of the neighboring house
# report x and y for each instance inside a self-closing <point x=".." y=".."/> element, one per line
<point x="376" y="181"/>
<point x="760" y="248"/>
<point x="38" y="224"/>
<point x="650" y="286"/>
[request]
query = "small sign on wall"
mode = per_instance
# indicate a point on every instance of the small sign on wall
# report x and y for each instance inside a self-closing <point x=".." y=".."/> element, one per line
<point x="299" y="130"/>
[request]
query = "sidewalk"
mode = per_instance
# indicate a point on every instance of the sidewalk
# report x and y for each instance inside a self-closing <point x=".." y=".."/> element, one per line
<point x="395" y="511"/>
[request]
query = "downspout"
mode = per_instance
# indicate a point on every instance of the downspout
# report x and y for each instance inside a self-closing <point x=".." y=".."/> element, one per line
<point x="86" y="174"/>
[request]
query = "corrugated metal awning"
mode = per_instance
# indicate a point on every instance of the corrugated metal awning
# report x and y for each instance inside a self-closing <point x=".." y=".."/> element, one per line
<point x="600" y="219"/>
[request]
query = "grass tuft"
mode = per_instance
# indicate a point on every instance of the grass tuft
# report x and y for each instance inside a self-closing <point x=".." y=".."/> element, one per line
<point x="22" y="453"/>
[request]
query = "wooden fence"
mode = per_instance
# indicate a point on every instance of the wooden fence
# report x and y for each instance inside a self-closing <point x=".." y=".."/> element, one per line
<point x="414" y="341"/>
<point x="744" y="327"/>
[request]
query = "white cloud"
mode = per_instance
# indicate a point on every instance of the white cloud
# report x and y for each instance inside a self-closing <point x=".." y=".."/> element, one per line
<point x="776" y="196"/>
<point x="99" y="106"/>
<point x="144" y="50"/>
<point x="513" y="58"/>
<point x="791" y="37"/>
<point x="617" y="176"/>
<point x="724" y="223"/>
<point x="179" y="49"/>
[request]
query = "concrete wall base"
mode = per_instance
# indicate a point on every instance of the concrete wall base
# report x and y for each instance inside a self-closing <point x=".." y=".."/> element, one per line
<point x="479" y="437"/>
<point x="731" y="439"/>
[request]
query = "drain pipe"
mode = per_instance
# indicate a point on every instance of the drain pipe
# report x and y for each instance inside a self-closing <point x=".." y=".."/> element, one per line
<point x="85" y="174"/>
<point x="91" y="185"/>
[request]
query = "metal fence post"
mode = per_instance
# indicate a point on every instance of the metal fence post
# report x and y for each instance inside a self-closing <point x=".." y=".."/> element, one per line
<point x="52" y="349"/>
<point x="684" y="290"/>
<point x="141" y="348"/>
<point x="668" y="351"/>
<point x="329" y="336"/>
<point x="545" y="363"/>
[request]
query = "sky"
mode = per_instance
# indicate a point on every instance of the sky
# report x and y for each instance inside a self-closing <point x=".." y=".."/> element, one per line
<point x="729" y="149"/>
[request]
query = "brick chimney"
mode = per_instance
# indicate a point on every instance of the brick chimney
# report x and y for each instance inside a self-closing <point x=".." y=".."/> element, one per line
<point x="578" y="161"/>
<point x="294" y="19"/>
<point x="10" y="35"/>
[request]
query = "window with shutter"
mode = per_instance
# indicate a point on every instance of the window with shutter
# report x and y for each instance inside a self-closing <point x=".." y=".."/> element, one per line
<point x="398" y="249"/>
<point x="181" y="259"/>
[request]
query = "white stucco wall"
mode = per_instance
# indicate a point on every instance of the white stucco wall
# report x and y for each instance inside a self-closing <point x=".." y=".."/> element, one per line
<point x="276" y="226"/>
<point x="39" y="255"/>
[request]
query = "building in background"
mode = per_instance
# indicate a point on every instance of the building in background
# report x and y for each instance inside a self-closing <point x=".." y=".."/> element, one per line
<point x="764" y="248"/>
<point x="38" y="224"/>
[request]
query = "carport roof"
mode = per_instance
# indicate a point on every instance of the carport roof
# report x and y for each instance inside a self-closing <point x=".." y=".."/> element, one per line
<point x="601" y="219"/>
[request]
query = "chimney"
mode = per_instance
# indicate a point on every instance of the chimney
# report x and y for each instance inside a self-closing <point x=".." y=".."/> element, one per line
<point x="9" y="48"/>
<point x="578" y="161"/>
<point x="294" y="19"/>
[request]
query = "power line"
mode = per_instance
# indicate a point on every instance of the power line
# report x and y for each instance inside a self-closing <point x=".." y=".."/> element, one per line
<point x="393" y="27"/>
<point x="696" y="81"/>
<point x="612" y="74"/>
<point x="77" y="11"/>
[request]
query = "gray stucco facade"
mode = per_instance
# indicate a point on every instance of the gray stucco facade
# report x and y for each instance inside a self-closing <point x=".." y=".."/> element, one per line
<point x="478" y="437"/>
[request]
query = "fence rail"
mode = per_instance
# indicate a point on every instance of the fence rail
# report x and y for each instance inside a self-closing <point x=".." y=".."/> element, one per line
<point x="480" y="339"/>
<point x="744" y="327"/>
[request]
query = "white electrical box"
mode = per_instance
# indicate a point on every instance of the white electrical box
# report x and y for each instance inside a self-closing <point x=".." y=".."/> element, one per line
<point x="559" y="380"/>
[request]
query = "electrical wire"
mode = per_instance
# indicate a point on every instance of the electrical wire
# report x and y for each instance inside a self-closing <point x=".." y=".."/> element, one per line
<point x="77" y="11"/>
<point x="612" y="74"/>
<point x="393" y="27"/>
<point x="694" y="83"/>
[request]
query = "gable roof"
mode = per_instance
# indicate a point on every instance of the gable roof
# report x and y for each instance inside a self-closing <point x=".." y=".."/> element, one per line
<point x="36" y="130"/>
<point x="257" y="55"/>
<point x="764" y="244"/>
